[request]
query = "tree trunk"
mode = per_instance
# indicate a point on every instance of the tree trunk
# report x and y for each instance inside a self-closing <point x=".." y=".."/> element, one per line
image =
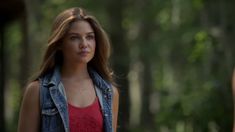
<point x="146" y="56"/>
<point x="2" y="79"/>
<point x="147" y="118"/>
<point x="25" y="65"/>
<point x="120" y="59"/>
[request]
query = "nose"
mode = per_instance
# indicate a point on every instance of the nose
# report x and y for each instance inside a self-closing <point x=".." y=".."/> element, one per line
<point x="83" y="43"/>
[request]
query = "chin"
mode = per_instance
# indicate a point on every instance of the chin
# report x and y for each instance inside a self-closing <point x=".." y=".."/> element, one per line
<point x="85" y="61"/>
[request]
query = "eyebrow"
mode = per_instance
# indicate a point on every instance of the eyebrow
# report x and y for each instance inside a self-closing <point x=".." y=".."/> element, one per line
<point x="72" y="33"/>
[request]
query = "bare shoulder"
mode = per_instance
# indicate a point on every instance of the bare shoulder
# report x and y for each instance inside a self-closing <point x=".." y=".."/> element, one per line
<point x="115" y="91"/>
<point x="33" y="85"/>
<point x="115" y="107"/>
<point x="31" y="97"/>
<point x="29" y="116"/>
<point x="31" y="94"/>
<point x="32" y="88"/>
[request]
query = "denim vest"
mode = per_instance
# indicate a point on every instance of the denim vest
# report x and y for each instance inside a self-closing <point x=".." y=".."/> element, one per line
<point x="54" y="107"/>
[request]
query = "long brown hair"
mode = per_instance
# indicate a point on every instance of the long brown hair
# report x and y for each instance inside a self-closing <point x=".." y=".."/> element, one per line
<point x="61" y="25"/>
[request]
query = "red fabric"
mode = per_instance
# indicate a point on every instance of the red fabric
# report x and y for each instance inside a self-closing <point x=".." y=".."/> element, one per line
<point x="88" y="119"/>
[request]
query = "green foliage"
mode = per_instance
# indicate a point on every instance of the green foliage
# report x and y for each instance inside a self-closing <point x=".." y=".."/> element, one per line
<point x="13" y="41"/>
<point x="188" y="45"/>
<point x="13" y="105"/>
<point x="202" y="45"/>
<point x="13" y="91"/>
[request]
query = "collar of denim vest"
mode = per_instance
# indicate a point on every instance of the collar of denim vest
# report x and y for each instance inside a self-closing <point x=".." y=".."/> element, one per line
<point x="54" y="79"/>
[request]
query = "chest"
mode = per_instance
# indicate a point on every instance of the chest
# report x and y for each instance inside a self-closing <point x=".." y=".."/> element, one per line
<point x="80" y="93"/>
<point x="89" y="119"/>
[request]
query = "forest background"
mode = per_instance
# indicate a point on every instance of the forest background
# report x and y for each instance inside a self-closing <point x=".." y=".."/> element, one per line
<point x="173" y="59"/>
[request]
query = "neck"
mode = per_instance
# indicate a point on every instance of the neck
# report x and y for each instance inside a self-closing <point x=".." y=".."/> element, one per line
<point x="74" y="72"/>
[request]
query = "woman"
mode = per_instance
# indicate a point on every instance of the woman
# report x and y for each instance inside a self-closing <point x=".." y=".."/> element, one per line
<point x="74" y="89"/>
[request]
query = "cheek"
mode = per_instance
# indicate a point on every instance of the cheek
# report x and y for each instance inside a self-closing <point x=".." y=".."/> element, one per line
<point x="69" y="49"/>
<point x="95" y="43"/>
<point x="94" y="46"/>
<point x="67" y="45"/>
<point x="93" y="49"/>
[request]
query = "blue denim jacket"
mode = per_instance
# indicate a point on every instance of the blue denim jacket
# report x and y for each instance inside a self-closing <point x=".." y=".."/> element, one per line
<point x="54" y="107"/>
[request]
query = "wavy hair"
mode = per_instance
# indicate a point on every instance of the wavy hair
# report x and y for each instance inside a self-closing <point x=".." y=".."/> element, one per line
<point x="62" y="23"/>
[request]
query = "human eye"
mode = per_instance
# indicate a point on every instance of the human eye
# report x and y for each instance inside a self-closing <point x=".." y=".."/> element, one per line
<point x="74" y="38"/>
<point x="90" y="37"/>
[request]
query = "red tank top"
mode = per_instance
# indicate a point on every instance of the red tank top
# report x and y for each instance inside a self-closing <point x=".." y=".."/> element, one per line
<point x="87" y="119"/>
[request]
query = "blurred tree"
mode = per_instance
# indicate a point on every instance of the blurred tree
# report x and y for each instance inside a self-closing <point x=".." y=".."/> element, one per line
<point x="10" y="11"/>
<point x="120" y="58"/>
<point x="25" y="59"/>
<point x="181" y="52"/>
<point x="2" y="78"/>
<point x="198" y="65"/>
<point x="146" y="29"/>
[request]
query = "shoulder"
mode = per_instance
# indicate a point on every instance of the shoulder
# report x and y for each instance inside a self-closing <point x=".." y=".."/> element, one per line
<point x="115" y="106"/>
<point x="30" y="110"/>
<point x="31" y="92"/>
<point x="115" y="91"/>
<point x="32" y="86"/>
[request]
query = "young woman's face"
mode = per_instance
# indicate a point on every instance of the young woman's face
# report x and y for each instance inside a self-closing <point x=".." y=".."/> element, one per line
<point x="79" y="43"/>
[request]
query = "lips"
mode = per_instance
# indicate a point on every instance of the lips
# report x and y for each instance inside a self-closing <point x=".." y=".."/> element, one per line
<point x="83" y="53"/>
